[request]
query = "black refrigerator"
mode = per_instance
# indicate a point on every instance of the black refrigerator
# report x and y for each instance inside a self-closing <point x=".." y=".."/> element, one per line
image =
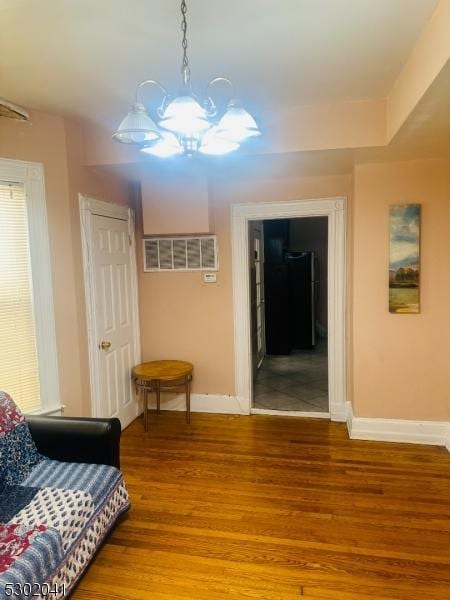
<point x="302" y="295"/>
<point x="290" y="294"/>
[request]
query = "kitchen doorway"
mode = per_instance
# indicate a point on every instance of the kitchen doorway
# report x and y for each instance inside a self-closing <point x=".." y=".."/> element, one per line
<point x="334" y="209"/>
<point x="289" y="314"/>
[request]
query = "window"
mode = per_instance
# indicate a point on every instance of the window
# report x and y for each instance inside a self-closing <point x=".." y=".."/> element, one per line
<point x="19" y="371"/>
<point x="28" y="362"/>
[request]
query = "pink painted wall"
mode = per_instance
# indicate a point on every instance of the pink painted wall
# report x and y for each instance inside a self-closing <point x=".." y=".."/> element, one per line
<point x="176" y="203"/>
<point x="401" y="362"/>
<point x="56" y="143"/>
<point x="398" y="364"/>
<point x="102" y="186"/>
<point x="183" y="318"/>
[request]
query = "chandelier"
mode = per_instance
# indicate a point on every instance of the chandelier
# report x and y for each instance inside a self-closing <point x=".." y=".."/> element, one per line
<point x="186" y="124"/>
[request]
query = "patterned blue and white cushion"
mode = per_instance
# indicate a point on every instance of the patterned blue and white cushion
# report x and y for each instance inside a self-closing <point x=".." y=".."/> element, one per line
<point x="13" y="499"/>
<point x="75" y="520"/>
<point x="67" y="511"/>
<point x="96" y="480"/>
<point x="81" y="551"/>
<point x="18" y="452"/>
<point x="63" y="511"/>
<point x="36" y="564"/>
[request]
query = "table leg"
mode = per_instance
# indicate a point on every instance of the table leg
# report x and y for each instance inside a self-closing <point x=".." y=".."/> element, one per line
<point x="145" y="400"/>
<point x="188" y="401"/>
<point x="158" y="396"/>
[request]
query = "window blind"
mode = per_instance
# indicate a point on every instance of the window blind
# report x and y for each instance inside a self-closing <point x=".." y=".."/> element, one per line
<point x="19" y="371"/>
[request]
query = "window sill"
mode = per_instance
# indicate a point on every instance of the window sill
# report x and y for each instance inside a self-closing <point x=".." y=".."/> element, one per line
<point x="56" y="411"/>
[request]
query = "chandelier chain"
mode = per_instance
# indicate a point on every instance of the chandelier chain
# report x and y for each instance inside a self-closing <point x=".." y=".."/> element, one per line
<point x="185" y="69"/>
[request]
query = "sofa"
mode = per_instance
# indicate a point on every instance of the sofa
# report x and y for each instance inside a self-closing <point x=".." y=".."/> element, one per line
<point x="61" y="494"/>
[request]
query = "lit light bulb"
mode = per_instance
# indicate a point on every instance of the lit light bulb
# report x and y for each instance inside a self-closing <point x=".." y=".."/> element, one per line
<point x="137" y="127"/>
<point x="215" y="145"/>
<point x="237" y="124"/>
<point x="184" y="116"/>
<point x="166" y="147"/>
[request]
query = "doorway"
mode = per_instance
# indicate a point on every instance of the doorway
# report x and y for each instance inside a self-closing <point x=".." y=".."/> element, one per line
<point x="111" y="307"/>
<point x="334" y="209"/>
<point x="289" y="303"/>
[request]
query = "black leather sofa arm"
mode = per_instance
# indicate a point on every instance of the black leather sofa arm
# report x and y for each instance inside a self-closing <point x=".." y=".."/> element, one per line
<point x="77" y="439"/>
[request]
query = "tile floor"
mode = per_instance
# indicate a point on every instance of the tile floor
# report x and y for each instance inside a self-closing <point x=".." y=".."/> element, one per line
<point x="295" y="382"/>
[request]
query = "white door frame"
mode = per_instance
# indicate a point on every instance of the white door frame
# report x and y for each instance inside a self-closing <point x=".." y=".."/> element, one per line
<point x="31" y="175"/>
<point x="335" y="210"/>
<point x="88" y="208"/>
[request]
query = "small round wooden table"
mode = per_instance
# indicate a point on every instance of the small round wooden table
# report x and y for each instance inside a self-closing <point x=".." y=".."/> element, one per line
<point x="160" y="375"/>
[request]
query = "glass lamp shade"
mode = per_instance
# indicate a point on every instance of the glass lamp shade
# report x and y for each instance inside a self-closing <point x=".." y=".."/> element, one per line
<point x="137" y="127"/>
<point x="185" y="116"/>
<point x="215" y="145"/>
<point x="237" y="125"/>
<point x="165" y="147"/>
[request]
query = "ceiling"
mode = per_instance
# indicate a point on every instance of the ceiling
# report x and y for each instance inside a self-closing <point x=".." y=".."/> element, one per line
<point x="426" y="132"/>
<point x="83" y="57"/>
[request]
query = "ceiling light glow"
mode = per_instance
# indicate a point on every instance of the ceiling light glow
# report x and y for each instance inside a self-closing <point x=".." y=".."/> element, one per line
<point x="186" y="125"/>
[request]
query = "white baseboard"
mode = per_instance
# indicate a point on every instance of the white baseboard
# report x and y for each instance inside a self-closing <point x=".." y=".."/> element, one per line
<point x="54" y="411"/>
<point x="209" y="403"/>
<point x="339" y="413"/>
<point x="433" y="433"/>
<point x="290" y="413"/>
<point x="447" y="440"/>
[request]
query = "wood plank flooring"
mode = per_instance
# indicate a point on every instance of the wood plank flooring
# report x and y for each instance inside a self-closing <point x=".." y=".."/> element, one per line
<point x="275" y="508"/>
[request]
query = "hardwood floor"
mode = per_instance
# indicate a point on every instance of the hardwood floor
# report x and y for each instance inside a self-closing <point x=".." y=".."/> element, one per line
<point x="275" y="508"/>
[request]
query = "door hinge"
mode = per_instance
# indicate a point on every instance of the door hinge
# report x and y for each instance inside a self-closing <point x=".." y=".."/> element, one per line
<point x="129" y="239"/>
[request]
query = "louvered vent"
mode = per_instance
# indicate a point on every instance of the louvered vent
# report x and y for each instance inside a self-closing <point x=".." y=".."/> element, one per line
<point x="181" y="254"/>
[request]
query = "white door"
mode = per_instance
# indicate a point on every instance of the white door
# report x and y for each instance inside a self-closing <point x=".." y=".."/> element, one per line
<point x="112" y="275"/>
<point x="259" y="281"/>
<point x="257" y="293"/>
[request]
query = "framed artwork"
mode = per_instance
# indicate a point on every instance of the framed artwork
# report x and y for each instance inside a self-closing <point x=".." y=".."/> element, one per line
<point x="404" y="258"/>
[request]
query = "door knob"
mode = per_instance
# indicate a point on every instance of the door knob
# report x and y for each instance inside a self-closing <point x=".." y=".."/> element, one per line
<point x="105" y="345"/>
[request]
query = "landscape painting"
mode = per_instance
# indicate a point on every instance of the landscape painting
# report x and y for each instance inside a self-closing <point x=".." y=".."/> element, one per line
<point x="404" y="258"/>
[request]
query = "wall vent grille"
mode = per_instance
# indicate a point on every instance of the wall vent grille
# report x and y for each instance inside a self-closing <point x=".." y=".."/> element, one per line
<point x="181" y="254"/>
